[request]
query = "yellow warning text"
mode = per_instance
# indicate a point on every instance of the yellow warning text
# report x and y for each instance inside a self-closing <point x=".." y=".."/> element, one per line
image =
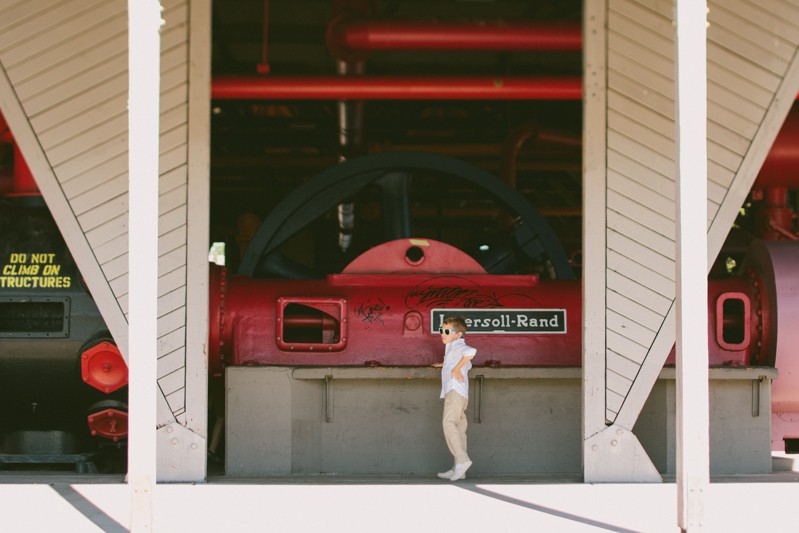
<point x="33" y="271"/>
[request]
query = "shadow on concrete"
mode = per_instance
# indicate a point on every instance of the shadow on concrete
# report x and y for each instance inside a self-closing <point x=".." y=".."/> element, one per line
<point x="541" y="509"/>
<point x="89" y="510"/>
<point x="392" y="479"/>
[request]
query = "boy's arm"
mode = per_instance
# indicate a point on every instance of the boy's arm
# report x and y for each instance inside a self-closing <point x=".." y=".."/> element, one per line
<point x="456" y="372"/>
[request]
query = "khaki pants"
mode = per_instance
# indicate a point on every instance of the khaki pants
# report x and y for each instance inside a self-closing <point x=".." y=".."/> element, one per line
<point x="454" y="424"/>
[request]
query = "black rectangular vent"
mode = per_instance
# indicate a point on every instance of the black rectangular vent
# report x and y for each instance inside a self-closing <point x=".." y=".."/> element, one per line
<point x="34" y="317"/>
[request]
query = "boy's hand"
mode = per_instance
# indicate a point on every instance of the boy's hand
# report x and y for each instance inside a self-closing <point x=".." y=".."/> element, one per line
<point x="438" y="365"/>
<point x="457" y="375"/>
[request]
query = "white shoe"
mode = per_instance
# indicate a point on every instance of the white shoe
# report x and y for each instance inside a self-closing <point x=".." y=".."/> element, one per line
<point x="447" y="474"/>
<point x="460" y="471"/>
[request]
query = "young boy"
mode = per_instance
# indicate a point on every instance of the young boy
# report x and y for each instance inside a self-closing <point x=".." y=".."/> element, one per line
<point x="455" y="392"/>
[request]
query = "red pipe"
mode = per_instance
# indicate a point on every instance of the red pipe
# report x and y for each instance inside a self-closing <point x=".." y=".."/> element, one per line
<point x="362" y="35"/>
<point x="395" y="88"/>
<point x="781" y="166"/>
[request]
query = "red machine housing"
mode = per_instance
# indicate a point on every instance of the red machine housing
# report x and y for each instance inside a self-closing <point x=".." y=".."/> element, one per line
<point x="385" y="308"/>
<point x="103" y="367"/>
<point x="109" y="423"/>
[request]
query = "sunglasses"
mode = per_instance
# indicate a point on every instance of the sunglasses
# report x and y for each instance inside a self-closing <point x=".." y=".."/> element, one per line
<point x="447" y="331"/>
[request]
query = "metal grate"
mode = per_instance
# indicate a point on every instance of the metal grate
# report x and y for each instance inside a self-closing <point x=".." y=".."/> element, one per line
<point x="28" y="317"/>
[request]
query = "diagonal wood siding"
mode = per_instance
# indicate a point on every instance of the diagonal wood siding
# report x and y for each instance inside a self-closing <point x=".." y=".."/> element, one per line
<point x="752" y="49"/>
<point x="67" y="63"/>
<point x="640" y="282"/>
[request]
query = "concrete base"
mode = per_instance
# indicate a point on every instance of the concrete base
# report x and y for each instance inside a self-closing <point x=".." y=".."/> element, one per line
<point x="615" y="455"/>
<point x="282" y="421"/>
<point x="740" y="421"/>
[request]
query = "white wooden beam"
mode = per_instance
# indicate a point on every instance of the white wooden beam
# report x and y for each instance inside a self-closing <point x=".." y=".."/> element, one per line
<point x="594" y="219"/>
<point x="693" y="431"/>
<point x="198" y="216"/>
<point x="182" y="451"/>
<point x="594" y="224"/>
<point x="144" y="61"/>
<point x="610" y="453"/>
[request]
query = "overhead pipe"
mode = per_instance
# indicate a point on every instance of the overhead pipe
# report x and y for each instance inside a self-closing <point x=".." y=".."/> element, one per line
<point x="351" y="32"/>
<point x="353" y="37"/>
<point x="779" y="168"/>
<point x="395" y="88"/>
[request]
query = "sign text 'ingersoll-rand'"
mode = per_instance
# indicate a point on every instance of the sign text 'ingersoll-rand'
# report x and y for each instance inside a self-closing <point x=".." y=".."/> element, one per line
<point x="517" y="321"/>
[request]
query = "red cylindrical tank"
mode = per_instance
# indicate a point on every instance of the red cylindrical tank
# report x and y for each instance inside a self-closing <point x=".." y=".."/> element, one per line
<point x="370" y="319"/>
<point x="391" y="318"/>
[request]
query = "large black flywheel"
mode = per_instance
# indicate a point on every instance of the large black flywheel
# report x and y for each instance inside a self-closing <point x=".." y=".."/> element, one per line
<point x="524" y="239"/>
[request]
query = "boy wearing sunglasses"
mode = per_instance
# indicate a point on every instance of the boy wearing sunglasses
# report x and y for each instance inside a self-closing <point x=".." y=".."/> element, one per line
<point x="455" y="392"/>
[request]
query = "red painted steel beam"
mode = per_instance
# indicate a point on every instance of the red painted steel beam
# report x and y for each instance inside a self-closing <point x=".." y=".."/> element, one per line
<point x="365" y="35"/>
<point x="395" y="88"/>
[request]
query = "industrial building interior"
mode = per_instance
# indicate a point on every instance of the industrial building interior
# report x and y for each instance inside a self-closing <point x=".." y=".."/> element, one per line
<point x="263" y="149"/>
<point x="267" y="152"/>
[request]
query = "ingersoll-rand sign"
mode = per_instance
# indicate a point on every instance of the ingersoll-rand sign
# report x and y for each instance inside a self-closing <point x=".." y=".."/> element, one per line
<point x="518" y="321"/>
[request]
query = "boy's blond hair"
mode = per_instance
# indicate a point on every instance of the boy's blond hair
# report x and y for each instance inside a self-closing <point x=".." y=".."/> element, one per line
<point x="455" y="321"/>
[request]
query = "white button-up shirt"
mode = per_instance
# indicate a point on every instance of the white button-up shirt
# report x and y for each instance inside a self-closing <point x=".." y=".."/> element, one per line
<point x="453" y="353"/>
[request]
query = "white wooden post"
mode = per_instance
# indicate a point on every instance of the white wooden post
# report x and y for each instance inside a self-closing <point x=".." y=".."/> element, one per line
<point x="693" y="447"/>
<point x="144" y="21"/>
<point x="594" y="223"/>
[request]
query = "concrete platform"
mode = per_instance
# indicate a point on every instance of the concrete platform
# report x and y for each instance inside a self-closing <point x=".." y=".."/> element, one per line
<point x="47" y="502"/>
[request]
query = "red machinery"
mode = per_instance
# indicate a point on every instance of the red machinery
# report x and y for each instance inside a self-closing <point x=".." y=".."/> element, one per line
<point x="385" y="306"/>
<point x="385" y="309"/>
<point x="382" y="308"/>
